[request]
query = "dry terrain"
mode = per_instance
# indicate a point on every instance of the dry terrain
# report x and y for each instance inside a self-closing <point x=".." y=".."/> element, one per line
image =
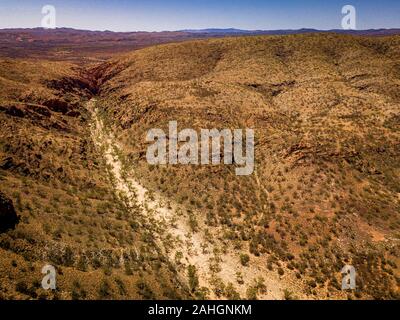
<point x="325" y="192"/>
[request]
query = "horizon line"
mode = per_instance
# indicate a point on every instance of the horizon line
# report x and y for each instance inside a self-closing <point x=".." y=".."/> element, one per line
<point x="215" y="29"/>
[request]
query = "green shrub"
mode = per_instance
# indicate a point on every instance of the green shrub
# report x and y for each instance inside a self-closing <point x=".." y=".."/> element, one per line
<point x="193" y="279"/>
<point x="244" y="259"/>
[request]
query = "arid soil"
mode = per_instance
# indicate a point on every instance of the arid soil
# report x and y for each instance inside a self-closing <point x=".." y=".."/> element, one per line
<point x="324" y="194"/>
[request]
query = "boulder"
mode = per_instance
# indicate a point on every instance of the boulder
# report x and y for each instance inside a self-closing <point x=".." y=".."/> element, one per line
<point x="8" y="216"/>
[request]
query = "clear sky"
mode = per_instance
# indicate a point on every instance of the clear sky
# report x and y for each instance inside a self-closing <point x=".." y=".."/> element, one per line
<point x="158" y="15"/>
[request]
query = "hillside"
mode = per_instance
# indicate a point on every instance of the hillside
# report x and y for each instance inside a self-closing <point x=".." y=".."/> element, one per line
<point x="69" y="215"/>
<point x="325" y="191"/>
<point x="79" y="45"/>
<point x="85" y="46"/>
<point x="326" y="113"/>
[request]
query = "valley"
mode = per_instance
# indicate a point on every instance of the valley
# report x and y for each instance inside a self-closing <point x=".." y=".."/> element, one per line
<point x="324" y="192"/>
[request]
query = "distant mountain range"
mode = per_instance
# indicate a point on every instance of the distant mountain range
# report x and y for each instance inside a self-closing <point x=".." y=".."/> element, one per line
<point x="233" y="31"/>
<point x="213" y="31"/>
<point x="73" y="44"/>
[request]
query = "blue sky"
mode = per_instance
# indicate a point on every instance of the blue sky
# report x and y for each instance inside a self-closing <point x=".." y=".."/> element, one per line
<point x="157" y="15"/>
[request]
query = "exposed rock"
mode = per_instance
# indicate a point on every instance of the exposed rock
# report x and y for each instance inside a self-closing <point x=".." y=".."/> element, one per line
<point x="8" y="216"/>
<point x="15" y="111"/>
<point x="41" y="110"/>
<point x="75" y="84"/>
<point x="7" y="163"/>
<point x="57" y="105"/>
<point x="73" y="113"/>
<point x="31" y="111"/>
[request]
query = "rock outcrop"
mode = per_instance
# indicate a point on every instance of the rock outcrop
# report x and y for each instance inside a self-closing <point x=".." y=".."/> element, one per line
<point x="8" y="216"/>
